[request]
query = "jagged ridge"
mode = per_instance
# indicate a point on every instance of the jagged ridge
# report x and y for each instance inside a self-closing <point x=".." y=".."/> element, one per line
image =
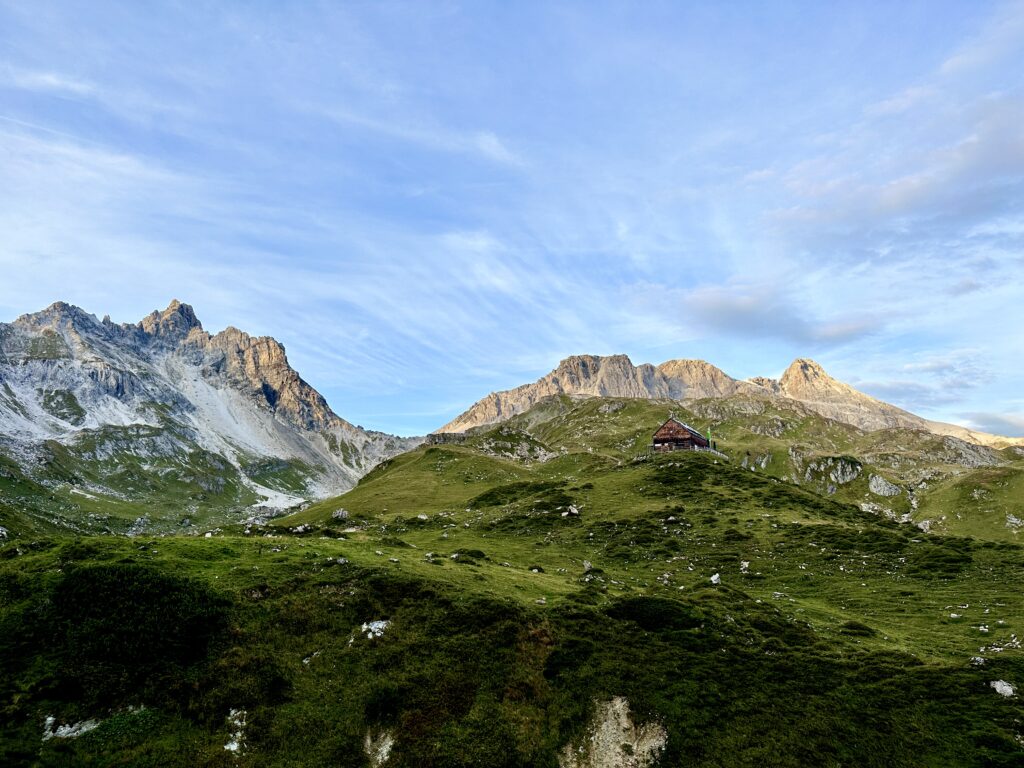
<point x="615" y="376"/>
<point x="65" y="375"/>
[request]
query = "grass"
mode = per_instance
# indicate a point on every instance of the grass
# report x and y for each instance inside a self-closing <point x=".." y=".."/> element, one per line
<point x="518" y="592"/>
<point x="472" y="671"/>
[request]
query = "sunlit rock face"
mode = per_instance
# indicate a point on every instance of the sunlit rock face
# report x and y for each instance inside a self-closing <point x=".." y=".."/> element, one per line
<point x="804" y="382"/>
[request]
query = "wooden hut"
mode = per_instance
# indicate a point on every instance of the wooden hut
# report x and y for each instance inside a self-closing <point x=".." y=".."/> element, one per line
<point x="674" y="435"/>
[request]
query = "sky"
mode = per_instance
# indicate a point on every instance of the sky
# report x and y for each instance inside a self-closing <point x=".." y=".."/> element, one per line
<point x="428" y="201"/>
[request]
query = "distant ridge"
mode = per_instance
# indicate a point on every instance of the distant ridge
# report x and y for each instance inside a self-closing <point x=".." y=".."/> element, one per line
<point x="804" y="381"/>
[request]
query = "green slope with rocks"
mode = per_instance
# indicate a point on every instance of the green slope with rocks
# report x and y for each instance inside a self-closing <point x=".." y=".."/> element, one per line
<point x="546" y="593"/>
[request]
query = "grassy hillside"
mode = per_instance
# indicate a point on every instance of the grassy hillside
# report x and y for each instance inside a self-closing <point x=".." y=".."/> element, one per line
<point x="473" y="604"/>
<point x="787" y="441"/>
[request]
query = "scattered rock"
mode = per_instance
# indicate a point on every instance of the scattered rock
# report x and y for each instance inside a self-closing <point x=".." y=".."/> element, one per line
<point x="375" y="629"/>
<point x="1003" y="688"/>
<point x="340" y="514"/>
<point x="612" y="740"/>
<point x="378" y="748"/>
<point x="138" y="527"/>
<point x="236" y="719"/>
<point x="70" y="731"/>
<point x="716" y="579"/>
<point x="879" y="486"/>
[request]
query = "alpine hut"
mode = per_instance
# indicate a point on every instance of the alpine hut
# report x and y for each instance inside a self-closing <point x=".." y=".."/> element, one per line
<point x="674" y="435"/>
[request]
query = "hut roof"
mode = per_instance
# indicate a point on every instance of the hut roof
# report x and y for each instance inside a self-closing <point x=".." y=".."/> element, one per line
<point x="684" y="425"/>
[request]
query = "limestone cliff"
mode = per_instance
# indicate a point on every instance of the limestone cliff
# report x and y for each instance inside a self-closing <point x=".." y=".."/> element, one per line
<point x="804" y="381"/>
<point x="612" y="376"/>
<point x="66" y="377"/>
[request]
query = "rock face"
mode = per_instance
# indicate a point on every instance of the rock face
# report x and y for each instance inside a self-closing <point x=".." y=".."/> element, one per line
<point x="613" y="741"/>
<point x="807" y="382"/>
<point x="804" y="382"/>
<point x="614" y="376"/>
<point x="164" y="386"/>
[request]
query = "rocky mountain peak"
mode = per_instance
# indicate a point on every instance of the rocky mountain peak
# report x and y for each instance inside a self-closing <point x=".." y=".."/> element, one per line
<point x="806" y="369"/>
<point x="64" y="373"/>
<point x="804" y="381"/>
<point x="174" y="322"/>
<point x="606" y="376"/>
<point x="807" y="380"/>
<point x="59" y="314"/>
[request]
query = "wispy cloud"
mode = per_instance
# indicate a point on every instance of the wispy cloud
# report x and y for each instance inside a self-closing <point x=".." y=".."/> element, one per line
<point x="411" y="130"/>
<point x="425" y="202"/>
<point x="1008" y="424"/>
<point x="44" y="82"/>
<point x="769" y="311"/>
<point x="1001" y="36"/>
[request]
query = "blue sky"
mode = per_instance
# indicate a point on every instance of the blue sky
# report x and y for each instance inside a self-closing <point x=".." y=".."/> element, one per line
<point x="429" y="201"/>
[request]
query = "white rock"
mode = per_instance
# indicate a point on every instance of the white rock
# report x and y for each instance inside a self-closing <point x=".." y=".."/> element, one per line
<point x="378" y="749"/>
<point x="879" y="486"/>
<point x="614" y="741"/>
<point x="716" y="579"/>
<point x="1003" y="688"/>
<point x="236" y="719"/>
<point x="69" y="731"/>
<point x="375" y="629"/>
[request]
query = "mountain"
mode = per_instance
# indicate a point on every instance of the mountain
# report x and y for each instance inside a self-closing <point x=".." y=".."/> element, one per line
<point x="96" y="409"/>
<point x="611" y="376"/>
<point x="804" y="381"/>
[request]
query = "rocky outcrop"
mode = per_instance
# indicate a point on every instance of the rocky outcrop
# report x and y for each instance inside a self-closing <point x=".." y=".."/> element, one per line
<point x="967" y="454"/>
<point x="879" y="486"/>
<point x="612" y="740"/>
<point x="840" y="470"/>
<point x="377" y="747"/>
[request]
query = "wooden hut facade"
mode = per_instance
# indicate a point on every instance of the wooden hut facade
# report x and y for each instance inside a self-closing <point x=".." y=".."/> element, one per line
<point x="674" y="435"/>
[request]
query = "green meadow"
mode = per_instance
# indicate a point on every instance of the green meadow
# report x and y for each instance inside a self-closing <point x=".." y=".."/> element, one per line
<point x="475" y="600"/>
